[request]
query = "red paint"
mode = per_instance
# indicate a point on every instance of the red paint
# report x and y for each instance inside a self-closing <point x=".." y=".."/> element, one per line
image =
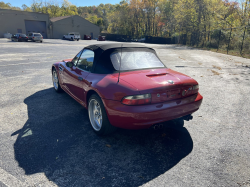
<point x="168" y="101"/>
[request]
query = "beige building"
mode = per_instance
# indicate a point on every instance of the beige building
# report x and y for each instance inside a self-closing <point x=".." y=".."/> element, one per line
<point x="60" y="26"/>
<point x="15" y="21"/>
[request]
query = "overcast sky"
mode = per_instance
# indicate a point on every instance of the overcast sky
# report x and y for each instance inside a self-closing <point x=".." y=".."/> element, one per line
<point x="75" y="2"/>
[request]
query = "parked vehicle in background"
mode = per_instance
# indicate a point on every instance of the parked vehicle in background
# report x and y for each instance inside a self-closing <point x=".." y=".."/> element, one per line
<point x="35" y="37"/>
<point x="142" y="40"/>
<point x="7" y="35"/>
<point x="72" y="36"/>
<point x="101" y="38"/>
<point x="134" y="40"/>
<point x="87" y="37"/>
<point x="19" y="37"/>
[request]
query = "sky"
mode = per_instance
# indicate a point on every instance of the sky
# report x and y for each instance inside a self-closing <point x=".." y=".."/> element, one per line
<point x="19" y="3"/>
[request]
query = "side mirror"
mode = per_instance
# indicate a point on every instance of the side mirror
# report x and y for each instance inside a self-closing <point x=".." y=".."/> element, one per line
<point x="69" y="64"/>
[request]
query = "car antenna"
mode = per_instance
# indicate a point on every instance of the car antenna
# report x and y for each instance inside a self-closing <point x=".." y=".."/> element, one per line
<point x="120" y="64"/>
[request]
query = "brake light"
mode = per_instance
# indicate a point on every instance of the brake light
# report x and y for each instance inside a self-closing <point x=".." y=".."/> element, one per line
<point x="137" y="99"/>
<point x="196" y="87"/>
<point x="19" y="37"/>
<point x="33" y="37"/>
<point x="191" y="90"/>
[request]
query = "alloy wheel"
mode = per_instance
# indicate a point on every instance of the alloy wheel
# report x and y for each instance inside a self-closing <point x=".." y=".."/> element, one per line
<point x="95" y="114"/>
<point x="55" y="80"/>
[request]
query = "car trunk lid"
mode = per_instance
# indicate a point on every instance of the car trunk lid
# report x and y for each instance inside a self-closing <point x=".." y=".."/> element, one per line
<point x="163" y="84"/>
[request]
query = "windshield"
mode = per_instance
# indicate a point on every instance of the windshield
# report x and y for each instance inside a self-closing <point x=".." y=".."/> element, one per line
<point x="135" y="60"/>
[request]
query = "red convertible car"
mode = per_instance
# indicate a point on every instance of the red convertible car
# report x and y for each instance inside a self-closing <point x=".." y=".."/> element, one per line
<point x="126" y="86"/>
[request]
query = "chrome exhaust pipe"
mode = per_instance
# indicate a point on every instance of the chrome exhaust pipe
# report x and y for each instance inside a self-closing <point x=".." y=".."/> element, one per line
<point x="156" y="127"/>
<point x="188" y="117"/>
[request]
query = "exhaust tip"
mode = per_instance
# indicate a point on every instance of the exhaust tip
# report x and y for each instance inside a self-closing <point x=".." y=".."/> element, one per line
<point x="156" y="127"/>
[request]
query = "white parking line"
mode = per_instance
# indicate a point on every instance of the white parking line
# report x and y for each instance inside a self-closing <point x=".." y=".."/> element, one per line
<point x="9" y="180"/>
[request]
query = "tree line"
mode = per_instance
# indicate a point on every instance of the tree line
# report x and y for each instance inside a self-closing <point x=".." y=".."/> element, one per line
<point x="162" y="18"/>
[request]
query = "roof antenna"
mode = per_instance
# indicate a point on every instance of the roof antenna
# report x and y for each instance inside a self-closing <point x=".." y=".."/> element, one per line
<point x="120" y="64"/>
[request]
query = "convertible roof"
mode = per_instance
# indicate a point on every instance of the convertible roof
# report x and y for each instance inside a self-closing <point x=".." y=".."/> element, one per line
<point x="102" y="62"/>
<point x="105" y="47"/>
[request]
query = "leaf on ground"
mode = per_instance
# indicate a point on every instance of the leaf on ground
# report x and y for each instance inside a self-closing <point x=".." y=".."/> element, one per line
<point x="215" y="72"/>
<point x="107" y="145"/>
<point x="217" y="67"/>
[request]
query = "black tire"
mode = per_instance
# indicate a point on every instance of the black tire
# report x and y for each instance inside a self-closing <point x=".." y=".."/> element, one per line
<point x="58" y="88"/>
<point x="41" y="41"/>
<point x="106" y="127"/>
<point x="72" y="39"/>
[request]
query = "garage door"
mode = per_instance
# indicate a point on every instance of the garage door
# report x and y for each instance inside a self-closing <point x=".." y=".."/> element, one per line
<point x="36" y="26"/>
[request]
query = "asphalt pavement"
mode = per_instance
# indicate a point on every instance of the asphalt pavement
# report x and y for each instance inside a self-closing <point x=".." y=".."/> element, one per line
<point x="46" y="138"/>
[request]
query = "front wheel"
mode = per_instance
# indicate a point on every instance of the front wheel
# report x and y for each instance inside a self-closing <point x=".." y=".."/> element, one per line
<point x="98" y="116"/>
<point x="55" y="81"/>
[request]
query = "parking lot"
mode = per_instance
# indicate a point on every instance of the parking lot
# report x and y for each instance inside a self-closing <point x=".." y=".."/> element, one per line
<point x="46" y="138"/>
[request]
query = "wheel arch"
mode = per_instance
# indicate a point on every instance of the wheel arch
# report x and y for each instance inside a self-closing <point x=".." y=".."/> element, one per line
<point x="89" y="93"/>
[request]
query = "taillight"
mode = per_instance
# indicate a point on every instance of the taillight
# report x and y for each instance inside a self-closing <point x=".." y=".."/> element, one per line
<point x="137" y="99"/>
<point x="196" y="87"/>
<point x="33" y="37"/>
<point x="19" y="36"/>
<point x="191" y="90"/>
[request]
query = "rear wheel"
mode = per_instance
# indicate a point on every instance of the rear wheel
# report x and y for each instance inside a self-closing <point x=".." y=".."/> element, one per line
<point x="72" y="39"/>
<point x="55" y="81"/>
<point x="98" y="116"/>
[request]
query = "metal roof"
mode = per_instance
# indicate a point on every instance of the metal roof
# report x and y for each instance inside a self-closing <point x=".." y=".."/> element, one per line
<point x="58" y="18"/>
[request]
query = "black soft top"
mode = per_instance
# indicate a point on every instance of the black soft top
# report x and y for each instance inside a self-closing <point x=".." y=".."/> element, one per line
<point x="105" y="47"/>
<point x="102" y="62"/>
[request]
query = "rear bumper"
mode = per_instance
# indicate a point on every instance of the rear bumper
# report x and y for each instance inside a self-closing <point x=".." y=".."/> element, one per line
<point x="144" y="116"/>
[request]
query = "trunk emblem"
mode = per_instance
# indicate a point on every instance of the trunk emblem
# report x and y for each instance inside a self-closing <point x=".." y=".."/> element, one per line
<point x="170" y="81"/>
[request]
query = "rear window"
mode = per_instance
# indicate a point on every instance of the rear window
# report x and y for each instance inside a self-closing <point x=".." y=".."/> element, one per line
<point x="37" y="34"/>
<point x="23" y="35"/>
<point x="135" y="60"/>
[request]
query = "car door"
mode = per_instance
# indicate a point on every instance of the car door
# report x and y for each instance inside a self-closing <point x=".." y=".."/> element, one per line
<point x="83" y="68"/>
<point x="65" y="72"/>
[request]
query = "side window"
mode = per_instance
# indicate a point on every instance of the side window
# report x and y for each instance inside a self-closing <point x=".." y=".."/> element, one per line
<point x="86" y="60"/>
<point x="74" y="61"/>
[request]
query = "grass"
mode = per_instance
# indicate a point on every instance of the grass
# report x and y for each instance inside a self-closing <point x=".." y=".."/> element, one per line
<point x="230" y="52"/>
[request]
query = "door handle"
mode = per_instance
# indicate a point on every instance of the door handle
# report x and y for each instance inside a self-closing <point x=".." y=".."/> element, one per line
<point x="80" y="78"/>
<point x="60" y="68"/>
